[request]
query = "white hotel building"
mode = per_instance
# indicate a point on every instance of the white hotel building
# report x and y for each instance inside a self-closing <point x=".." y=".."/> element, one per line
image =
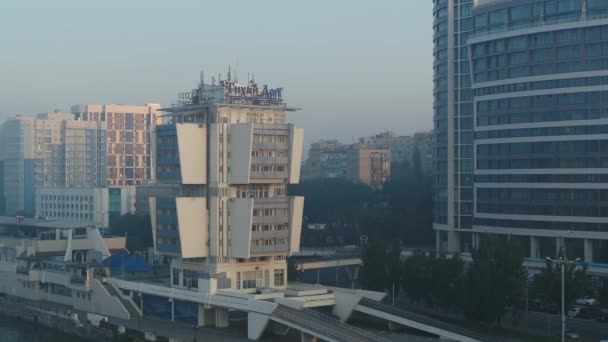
<point x="230" y="150"/>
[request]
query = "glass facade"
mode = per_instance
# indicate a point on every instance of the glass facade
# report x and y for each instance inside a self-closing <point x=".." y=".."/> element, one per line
<point x="453" y="116"/>
<point x="541" y="116"/>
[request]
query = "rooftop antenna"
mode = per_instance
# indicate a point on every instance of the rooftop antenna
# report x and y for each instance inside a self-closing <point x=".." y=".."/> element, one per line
<point x="202" y="77"/>
<point x="229" y="73"/>
<point x="236" y="72"/>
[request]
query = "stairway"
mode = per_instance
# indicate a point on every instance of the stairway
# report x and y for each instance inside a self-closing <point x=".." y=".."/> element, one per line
<point x="133" y="313"/>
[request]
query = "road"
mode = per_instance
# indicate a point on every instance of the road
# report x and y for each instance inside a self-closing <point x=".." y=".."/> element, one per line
<point x="551" y="325"/>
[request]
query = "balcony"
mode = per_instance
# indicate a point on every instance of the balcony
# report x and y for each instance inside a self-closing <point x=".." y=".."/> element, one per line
<point x="284" y="248"/>
<point x="270" y="219"/>
<point x="270" y="161"/>
<point x="269" y="175"/>
<point x="284" y="233"/>
<point x="283" y="146"/>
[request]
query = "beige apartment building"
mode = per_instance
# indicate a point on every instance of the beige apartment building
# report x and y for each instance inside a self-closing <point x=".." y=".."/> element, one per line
<point x="358" y="162"/>
<point x="128" y="145"/>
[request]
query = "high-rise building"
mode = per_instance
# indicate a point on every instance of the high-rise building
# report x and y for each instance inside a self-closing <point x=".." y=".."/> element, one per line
<point x="540" y="83"/>
<point x="231" y="152"/>
<point x="49" y="150"/>
<point x="453" y="124"/>
<point x="128" y="126"/>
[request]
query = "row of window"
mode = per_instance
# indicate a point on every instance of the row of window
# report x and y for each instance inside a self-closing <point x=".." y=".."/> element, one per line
<point x="559" y="147"/>
<point x="577" y="65"/>
<point x="581" y="210"/>
<point x="552" y="84"/>
<point x="527" y="224"/>
<point x="65" y="215"/>
<point x="542" y="163"/>
<point x="547" y="178"/>
<point x="542" y="131"/>
<point x="537" y="13"/>
<point x="268" y="227"/>
<point x="268" y="168"/>
<point x="65" y="198"/>
<point x="524" y="194"/>
<point x="271" y="212"/>
<point x="583" y="113"/>
<point x="514" y="103"/>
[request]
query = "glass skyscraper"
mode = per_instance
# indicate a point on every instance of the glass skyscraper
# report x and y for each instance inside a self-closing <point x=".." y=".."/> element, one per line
<point x="453" y="124"/>
<point x="521" y="103"/>
<point x="540" y="83"/>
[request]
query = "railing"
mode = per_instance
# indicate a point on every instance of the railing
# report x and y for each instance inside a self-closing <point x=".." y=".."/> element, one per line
<point x="23" y="270"/>
<point x="75" y="278"/>
<point x="270" y="249"/>
<point x="284" y="233"/>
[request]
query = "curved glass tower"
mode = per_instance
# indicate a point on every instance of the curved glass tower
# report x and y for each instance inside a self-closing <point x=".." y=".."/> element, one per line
<point x="540" y="84"/>
<point x="453" y="125"/>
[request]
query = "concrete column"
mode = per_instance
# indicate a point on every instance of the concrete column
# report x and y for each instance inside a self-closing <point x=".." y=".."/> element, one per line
<point x="453" y="241"/>
<point x="222" y="319"/>
<point x="206" y="317"/>
<point x="438" y="241"/>
<point x="308" y="338"/>
<point x="534" y="247"/>
<point x="588" y="250"/>
<point x="559" y="245"/>
<point x="172" y="309"/>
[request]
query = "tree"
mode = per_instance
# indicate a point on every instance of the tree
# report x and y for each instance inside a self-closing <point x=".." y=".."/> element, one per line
<point x="495" y="281"/>
<point x="373" y="271"/>
<point x="394" y="268"/>
<point x="137" y="228"/>
<point x="292" y="271"/>
<point x="548" y="284"/>
<point x="447" y="281"/>
<point x="417" y="276"/>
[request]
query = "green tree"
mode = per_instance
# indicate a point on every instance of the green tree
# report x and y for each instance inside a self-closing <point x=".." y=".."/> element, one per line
<point x="417" y="276"/>
<point x="495" y="281"/>
<point x="373" y="272"/>
<point x="547" y="285"/>
<point x="394" y="268"/>
<point x="137" y="228"/>
<point x="447" y="281"/>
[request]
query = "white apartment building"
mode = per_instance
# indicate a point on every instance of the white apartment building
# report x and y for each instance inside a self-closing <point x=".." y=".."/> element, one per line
<point x="74" y="204"/>
<point x="229" y="148"/>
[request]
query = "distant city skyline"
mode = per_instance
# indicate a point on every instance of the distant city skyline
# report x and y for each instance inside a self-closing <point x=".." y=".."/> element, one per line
<point x="369" y="74"/>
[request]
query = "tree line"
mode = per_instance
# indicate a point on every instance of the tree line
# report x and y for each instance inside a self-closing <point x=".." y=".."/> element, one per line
<point x="493" y="286"/>
<point x="402" y="209"/>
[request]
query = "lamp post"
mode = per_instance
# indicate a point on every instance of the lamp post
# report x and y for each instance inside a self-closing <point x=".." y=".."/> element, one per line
<point x="562" y="262"/>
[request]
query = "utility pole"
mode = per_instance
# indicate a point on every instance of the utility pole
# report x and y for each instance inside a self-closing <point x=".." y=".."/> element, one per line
<point x="562" y="262"/>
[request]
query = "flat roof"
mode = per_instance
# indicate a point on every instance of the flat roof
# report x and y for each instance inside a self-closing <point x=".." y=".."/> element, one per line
<point x="42" y="223"/>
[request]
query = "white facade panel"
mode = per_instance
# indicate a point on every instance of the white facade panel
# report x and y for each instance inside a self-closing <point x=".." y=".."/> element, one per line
<point x="192" y="144"/>
<point x="241" y="138"/>
<point x="296" y="136"/>
<point x="193" y="233"/>
<point x="241" y="213"/>
<point x="296" y="211"/>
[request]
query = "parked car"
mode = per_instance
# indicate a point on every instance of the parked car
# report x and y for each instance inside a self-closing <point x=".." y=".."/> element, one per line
<point x="586" y="301"/>
<point x="574" y="311"/>
<point x="602" y="318"/>
<point x="572" y="336"/>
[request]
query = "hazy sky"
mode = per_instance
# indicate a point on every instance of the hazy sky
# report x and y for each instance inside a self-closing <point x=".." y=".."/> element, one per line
<point x="356" y="67"/>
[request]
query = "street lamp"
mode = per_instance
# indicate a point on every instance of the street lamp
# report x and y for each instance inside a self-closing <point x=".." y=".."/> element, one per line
<point x="563" y="262"/>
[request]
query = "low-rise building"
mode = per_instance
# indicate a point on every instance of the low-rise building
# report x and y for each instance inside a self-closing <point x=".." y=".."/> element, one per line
<point x="85" y="205"/>
<point x="358" y="162"/>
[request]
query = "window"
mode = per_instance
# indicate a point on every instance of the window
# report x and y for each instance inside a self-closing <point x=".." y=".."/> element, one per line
<point x="279" y="277"/>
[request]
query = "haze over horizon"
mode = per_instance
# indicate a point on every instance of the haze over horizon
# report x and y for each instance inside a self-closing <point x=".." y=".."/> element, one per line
<point x="371" y="72"/>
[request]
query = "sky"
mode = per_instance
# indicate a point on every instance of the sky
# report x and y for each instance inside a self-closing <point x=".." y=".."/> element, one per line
<point x="355" y="67"/>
